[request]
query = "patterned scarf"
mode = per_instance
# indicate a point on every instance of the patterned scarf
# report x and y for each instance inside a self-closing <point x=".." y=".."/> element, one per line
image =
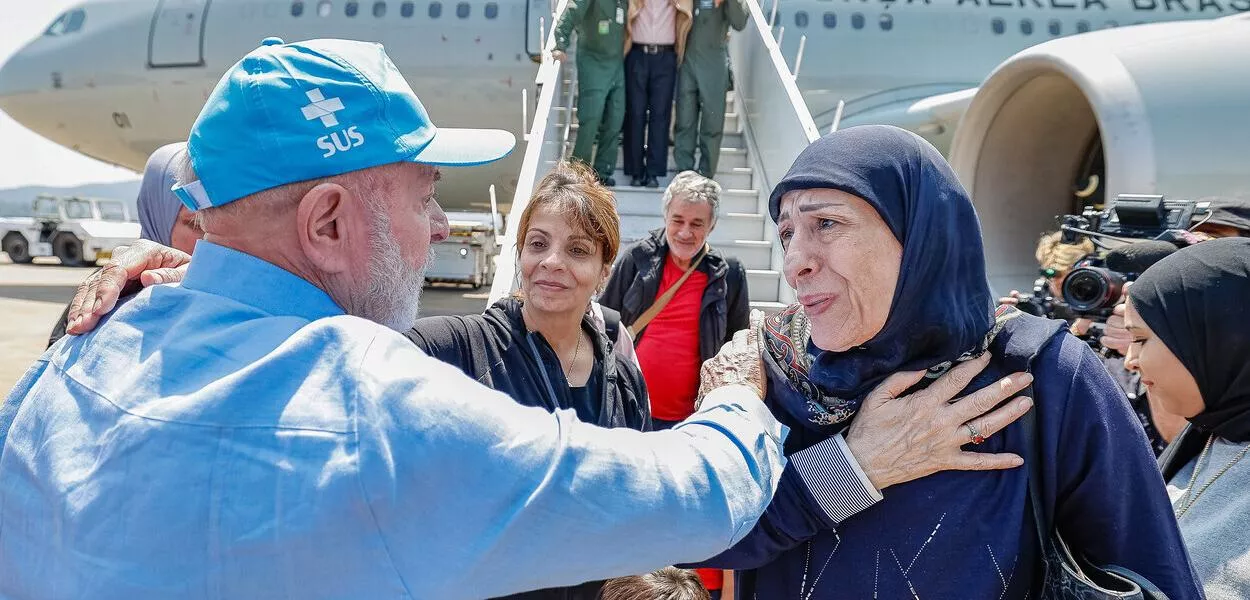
<point x="786" y="336"/>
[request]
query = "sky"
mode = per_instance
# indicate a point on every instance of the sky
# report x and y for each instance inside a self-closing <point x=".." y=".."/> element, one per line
<point x="26" y="158"/>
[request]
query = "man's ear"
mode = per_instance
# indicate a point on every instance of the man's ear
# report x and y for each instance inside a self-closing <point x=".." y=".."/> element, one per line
<point x="325" y="223"/>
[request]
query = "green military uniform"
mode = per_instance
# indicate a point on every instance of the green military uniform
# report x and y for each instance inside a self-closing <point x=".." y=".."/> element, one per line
<point x="600" y="26"/>
<point x="702" y="83"/>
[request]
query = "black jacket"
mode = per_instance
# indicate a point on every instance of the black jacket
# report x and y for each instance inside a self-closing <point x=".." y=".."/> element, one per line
<point x="496" y="349"/>
<point x="635" y="283"/>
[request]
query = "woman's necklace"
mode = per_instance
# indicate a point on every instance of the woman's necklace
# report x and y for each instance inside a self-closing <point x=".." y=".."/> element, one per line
<point x="1188" y="499"/>
<point x="568" y="369"/>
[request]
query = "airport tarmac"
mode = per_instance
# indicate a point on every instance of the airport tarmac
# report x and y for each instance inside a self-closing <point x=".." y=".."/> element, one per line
<point x="32" y="298"/>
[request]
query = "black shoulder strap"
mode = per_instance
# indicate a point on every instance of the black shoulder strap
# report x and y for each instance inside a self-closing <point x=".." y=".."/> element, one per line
<point x="611" y="324"/>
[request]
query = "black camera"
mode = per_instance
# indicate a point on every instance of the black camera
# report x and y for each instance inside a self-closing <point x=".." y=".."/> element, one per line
<point x="1132" y="217"/>
<point x="1042" y="302"/>
<point x="1094" y="290"/>
<point x="1147" y="228"/>
<point x="1133" y="232"/>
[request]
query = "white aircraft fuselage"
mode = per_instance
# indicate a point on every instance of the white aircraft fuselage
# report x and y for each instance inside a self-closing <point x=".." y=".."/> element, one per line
<point x="115" y="79"/>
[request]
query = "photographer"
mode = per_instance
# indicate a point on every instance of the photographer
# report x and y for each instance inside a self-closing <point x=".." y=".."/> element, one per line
<point x="1190" y="326"/>
<point x="1056" y="259"/>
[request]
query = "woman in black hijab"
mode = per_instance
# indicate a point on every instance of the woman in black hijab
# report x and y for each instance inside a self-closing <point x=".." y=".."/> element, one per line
<point x="884" y="249"/>
<point x="1189" y="316"/>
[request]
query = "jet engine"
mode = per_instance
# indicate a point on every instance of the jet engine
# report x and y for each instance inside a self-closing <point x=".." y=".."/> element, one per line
<point x="1150" y="109"/>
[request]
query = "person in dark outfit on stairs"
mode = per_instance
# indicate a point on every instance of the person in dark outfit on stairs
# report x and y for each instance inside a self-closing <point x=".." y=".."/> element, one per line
<point x="654" y="48"/>
<point x="702" y="84"/>
<point x="601" y="41"/>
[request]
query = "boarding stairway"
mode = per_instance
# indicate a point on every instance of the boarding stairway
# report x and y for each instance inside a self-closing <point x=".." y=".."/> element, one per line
<point x="766" y="126"/>
<point x="740" y="231"/>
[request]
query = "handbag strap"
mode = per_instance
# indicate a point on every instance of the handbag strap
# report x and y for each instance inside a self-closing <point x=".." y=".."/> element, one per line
<point x="668" y="294"/>
<point x="1033" y="460"/>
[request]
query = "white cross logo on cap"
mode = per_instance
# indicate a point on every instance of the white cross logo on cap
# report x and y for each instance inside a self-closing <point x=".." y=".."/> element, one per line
<point x="321" y="108"/>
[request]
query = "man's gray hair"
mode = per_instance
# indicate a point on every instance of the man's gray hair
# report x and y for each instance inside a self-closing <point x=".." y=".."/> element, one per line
<point x="690" y="186"/>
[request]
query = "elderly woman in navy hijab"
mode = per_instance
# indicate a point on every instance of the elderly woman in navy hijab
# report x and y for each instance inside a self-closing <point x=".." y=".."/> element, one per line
<point x="162" y="217"/>
<point x="884" y="249"/>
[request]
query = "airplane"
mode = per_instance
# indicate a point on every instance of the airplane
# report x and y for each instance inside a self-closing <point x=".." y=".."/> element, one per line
<point x="918" y="63"/>
<point x="115" y="79"/>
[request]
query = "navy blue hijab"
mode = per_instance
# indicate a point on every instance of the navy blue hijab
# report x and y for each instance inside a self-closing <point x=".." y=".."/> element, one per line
<point x="942" y="310"/>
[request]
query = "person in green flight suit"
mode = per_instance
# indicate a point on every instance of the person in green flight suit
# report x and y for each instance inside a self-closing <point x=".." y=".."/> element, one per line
<point x="702" y="83"/>
<point x="600" y="26"/>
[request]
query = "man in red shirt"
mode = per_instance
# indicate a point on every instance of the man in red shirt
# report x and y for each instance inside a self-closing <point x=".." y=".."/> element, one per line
<point x="682" y="299"/>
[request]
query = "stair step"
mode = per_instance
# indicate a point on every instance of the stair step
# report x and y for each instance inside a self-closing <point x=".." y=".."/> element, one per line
<point x="762" y="285"/>
<point x="730" y="159"/>
<point x="730" y="139"/>
<point x="752" y="254"/>
<point x="769" y="308"/>
<point x="735" y="179"/>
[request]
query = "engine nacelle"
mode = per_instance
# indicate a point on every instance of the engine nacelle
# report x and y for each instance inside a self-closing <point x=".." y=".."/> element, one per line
<point x="1150" y="109"/>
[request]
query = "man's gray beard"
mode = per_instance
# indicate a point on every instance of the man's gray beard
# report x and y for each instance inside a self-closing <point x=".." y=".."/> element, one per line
<point x="394" y="297"/>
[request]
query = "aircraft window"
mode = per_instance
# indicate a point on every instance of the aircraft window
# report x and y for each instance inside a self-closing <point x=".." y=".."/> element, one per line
<point x="1026" y="26"/>
<point x="75" y="21"/>
<point x="1055" y="27"/>
<point x="297" y="8"/>
<point x="998" y="26"/>
<point x="1082" y="26"/>
<point x="379" y="9"/>
<point x="436" y="10"/>
<point x="324" y="8"/>
<point x="887" y="22"/>
<point x="857" y="21"/>
<point x="831" y="20"/>
<point x="462" y="10"/>
<point x="405" y="10"/>
<point x="800" y="19"/>
<point x="351" y="9"/>
<point x="67" y="23"/>
<point x="492" y="10"/>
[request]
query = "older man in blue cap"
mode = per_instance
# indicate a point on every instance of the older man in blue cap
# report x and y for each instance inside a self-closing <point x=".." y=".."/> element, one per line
<point x="262" y="431"/>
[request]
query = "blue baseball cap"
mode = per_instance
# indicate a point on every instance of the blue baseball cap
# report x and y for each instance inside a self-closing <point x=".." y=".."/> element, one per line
<point x="306" y="110"/>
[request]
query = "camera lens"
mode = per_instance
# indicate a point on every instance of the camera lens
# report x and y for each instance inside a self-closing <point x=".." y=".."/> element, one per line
<point x="1090" y="289"/>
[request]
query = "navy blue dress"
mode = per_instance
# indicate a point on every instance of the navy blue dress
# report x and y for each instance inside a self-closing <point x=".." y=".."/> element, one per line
<point x="960" y="534"/>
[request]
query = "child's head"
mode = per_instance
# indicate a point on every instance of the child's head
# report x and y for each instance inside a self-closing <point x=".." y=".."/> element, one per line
<point x="668" y="583"/>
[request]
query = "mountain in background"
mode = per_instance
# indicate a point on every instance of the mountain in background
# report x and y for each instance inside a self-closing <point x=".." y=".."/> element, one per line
<point x="15" y="202"/>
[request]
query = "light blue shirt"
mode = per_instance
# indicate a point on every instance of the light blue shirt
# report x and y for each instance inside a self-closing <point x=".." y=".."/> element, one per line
<point x="238" y="436"/>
